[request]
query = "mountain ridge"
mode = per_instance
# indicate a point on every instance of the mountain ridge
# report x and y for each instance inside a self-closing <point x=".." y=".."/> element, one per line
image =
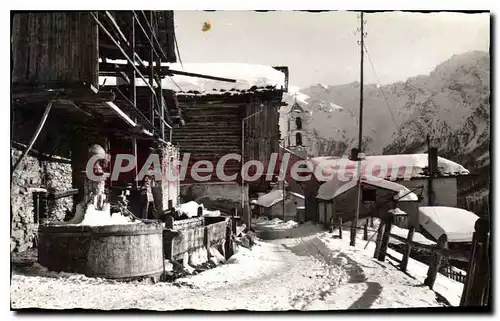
<point x="451" y="104"/>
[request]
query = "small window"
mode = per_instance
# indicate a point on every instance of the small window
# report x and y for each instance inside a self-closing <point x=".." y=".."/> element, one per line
<point x="369" y="195"/>
<point x="298" y="123"/>
<point x="298" y="139"/>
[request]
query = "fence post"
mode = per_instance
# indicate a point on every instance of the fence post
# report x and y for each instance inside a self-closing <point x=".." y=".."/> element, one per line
<point x="436" y="262"/>
<point x="228" y="244"/>
<point x="371" y="222"/>
<point x="207" y="237"/>
<point x="385" y="238"/>
<point x="477" y="283"/>
<point x="199" y="211"/>
<point x="340" y="227"/>
<point x="169" y="222"/>
<point x="409" y="246"/>
<point x="378" y="240"/>
<point x="234" y="225"/>
<point x="365" y="231"/>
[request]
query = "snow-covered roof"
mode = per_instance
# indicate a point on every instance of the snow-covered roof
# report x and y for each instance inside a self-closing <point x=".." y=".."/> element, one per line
<point x="297" y="195"/>
<point x="297" y="108"/>
<point x="456" y="223"/>
<point x="247" y="76"/>
<point x="391" y="167"/>
<point x="271" y="198"/>
<point x="336" y="187"/>
<point x="397" y="211"/>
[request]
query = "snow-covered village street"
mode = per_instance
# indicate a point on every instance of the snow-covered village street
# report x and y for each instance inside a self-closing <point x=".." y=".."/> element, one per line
<point x="250" y="160"/>
<point x="313" y="271"/>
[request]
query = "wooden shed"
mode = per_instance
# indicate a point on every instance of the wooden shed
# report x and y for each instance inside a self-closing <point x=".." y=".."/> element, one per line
<point x="271" y="205"/>
<point x="337" y="198"/>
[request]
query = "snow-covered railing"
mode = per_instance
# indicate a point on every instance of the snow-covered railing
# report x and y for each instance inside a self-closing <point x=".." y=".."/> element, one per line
<point x="476" y="289"/>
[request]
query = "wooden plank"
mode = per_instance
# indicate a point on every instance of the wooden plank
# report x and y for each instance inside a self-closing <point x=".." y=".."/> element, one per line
<point x="378" y="240"/>
<point x="54" y="46"/>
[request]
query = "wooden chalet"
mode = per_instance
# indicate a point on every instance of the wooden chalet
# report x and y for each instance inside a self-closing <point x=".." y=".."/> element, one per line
<point x="223" y="118"/>
<point x="63" y="101"/>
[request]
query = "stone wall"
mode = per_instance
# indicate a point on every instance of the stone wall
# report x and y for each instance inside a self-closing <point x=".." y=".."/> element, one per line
<point x="35" y="172"/>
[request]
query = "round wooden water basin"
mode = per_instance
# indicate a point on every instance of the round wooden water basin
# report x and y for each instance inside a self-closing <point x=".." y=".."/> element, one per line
<point x="109" y="251"/>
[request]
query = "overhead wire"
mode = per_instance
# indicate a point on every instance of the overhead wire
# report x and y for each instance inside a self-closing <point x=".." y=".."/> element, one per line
<point x="379" y="85"/>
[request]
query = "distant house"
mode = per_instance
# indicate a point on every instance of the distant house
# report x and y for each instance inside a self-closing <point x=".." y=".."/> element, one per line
<point x="337" y="198"/>
<point x="271" y="204"/>
<point x="408" y="170"/>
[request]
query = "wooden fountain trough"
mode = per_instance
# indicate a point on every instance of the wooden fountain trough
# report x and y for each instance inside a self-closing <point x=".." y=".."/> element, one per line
<point x="112" y="251"/>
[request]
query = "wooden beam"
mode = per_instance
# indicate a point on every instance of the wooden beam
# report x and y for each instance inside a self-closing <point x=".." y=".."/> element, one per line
<point x="122" y="50"/>
<point x="75" y="95"/>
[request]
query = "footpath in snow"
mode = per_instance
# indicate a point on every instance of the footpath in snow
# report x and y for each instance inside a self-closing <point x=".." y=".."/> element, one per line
<point x="312" y="271"/>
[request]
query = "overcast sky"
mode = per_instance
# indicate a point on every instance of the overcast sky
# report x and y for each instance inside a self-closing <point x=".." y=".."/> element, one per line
<point x="322" y="47"/>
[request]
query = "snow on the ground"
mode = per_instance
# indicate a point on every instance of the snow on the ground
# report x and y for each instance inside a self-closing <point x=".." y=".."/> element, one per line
<point x="275" y="223"/>
<point x="310" y="271"/>
<point x="450" y="289"/>
<point x="456" y="223"/>
<point x="408" y="285"/>
<point x="191" y="209"/>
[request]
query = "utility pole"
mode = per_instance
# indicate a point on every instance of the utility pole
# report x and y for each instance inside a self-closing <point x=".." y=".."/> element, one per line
<point x="432" y="166"/>
<point x="360" y="140"/>
<point x="284" y="177"/>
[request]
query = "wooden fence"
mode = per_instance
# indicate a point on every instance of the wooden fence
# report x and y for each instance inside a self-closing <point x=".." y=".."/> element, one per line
<point x="477" y="278"/>
<point x="454" y="275"/>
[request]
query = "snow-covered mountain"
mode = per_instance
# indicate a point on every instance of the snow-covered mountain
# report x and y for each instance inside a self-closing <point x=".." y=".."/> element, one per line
<point x="451" y="104"/>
